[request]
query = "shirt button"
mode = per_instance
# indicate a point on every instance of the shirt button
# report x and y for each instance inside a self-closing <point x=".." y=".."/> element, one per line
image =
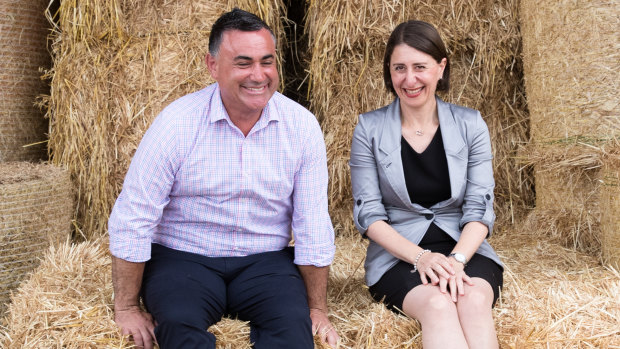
<point x="428" y="216"/>
<point x="359" y="202"/>
<point x="488" y="197"/>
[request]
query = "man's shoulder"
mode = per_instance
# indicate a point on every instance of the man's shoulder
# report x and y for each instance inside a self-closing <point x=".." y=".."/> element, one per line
<point x="285" y="104"/>
<point x="191" y="102"/>
<point x="187" y="110"/>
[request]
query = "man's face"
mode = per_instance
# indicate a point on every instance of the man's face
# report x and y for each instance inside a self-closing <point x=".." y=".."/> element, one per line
<point x="245" y="69"/>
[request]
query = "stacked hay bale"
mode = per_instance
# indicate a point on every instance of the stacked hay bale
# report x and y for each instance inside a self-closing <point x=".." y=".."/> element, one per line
<point x="347" y="42"/>
<point x="23" y="51"/>
<point x="116" y="65"/>
<point x="564" y="300"/>
<point x="35" y="211"/>
<point x="572" y="71"/>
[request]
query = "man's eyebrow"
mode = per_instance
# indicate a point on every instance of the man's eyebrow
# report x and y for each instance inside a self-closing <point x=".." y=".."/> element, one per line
<point x="246" y="58"/>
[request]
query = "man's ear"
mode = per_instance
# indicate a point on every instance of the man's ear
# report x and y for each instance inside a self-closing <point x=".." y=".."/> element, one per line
<point x="211" y="65"/>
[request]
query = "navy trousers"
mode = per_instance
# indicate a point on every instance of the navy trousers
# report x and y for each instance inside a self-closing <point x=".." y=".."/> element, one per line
<point x="186" y="293"/>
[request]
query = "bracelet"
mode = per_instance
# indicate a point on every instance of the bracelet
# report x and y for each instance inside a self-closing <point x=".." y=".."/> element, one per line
<point x="417" y="258"/>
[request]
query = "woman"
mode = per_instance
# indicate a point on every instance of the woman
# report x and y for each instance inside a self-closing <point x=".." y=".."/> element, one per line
<point x="423" y="188"/>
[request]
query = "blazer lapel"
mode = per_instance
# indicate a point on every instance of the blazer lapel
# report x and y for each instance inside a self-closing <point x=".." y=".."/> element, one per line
<point x="456" y="152"/>
<point x="389" y="152"/>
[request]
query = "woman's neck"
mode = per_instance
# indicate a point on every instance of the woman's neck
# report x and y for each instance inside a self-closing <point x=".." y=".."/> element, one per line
<point x="422" y="117"/>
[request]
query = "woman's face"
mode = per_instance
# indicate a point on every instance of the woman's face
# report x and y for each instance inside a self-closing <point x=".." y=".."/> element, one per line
<point x="414" y="76"/>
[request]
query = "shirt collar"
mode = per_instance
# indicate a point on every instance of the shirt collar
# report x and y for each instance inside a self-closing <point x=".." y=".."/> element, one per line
<point x="218" y="111"/>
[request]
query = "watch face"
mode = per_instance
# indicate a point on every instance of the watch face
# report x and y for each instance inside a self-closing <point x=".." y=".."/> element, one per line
<point x="459" y="258"/>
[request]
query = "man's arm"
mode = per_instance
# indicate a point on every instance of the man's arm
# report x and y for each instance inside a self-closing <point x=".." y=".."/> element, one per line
<point x="127" y="280"/>
<point x="315" y="279"/>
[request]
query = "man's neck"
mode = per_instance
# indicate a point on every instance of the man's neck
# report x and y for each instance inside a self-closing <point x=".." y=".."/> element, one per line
<point x="245" y="122"/>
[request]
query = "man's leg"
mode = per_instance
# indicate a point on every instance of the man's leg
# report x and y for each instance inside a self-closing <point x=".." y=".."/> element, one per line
<point x="185" y="297"/>
<point x="270" y="293"/>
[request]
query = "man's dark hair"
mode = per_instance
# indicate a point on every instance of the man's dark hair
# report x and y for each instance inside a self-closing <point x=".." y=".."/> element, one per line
<point x="423" y="37"/>
<point x="235" y="20"/>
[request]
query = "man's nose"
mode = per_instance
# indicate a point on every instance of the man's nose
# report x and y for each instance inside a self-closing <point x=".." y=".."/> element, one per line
<point x="258" y="72"/>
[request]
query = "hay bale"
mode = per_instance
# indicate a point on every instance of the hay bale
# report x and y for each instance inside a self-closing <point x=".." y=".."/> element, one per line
<point x="116" y="65"/>
<point x="564" y="299"/>
<point x="35" y="211"/>
<point x="572" y="76"/>
<point x="572" y="82"/>
<point x="610" y="209"/>
<point x="347" y="41"/>
<point x="23" y="51"/>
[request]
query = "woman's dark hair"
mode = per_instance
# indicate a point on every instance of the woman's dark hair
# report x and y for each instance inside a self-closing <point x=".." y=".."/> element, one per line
<point x="423" y="37"/>
<point x="235" y="20"/>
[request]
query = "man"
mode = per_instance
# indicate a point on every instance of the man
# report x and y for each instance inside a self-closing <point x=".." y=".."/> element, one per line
<point x="218" y="183"/>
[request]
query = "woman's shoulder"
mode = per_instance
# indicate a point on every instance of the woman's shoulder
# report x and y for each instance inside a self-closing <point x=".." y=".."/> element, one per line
<point x="378" y="116"/>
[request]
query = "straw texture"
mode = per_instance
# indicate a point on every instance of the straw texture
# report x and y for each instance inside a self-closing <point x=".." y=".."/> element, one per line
<point x="572" y="75"/>
<point x="35" y="211"/>
<point x="347" y="41"/>
<point x="573" y="81"/>
<point x="610" y="212"/>
<point x="552" y="298"/>
<point x="23" y="50"/>
<point x="116" y="65"/>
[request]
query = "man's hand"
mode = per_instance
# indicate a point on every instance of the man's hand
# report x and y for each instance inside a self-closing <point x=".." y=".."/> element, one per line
<point x="315" y="279"/>
<point x="138" y="324"/>
<point x="127" y="279"/>
<point x="323" y="328"/>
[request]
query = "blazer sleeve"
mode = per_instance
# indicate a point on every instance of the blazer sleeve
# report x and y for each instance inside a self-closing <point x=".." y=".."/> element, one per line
<point x="479" y="198"/>
<point x="367" y="206"/>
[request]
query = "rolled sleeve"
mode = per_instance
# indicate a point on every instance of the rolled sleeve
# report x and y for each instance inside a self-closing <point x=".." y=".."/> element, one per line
<point x="479" y="198"/>
<point x="144" y="196"/>
<point x="311" y="224"/>
<point x="367" y="207"/>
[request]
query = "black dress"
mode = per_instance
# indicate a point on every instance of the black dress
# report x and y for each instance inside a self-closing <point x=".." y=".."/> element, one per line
<point x="428" y="182"/>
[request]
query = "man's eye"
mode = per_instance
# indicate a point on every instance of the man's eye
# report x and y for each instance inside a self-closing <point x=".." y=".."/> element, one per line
<point x="267" y="63"/>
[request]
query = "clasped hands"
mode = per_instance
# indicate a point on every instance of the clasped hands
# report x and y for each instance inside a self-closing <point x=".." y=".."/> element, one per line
<point x="444" y="272"/>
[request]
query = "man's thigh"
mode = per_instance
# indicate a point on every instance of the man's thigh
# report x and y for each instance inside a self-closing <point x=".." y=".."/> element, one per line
<point x="268" y="287"/>
<point x="181" y="287"/>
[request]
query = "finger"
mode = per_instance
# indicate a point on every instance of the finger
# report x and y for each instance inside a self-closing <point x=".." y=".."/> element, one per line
<point x="147" y="343"/>
<point x="443" y="282"/>
<point x="443" y="270"/>
<point x="445" y="263"/>
<point x="453" y="288"/>
<point x="333" y="338"/>
<point x="431" y="274"/>
<point x="423" y="277"/>
<point x="467" y="279"/>
<point x="137" y="339"/>
<point x="323" y="335"/>
<point x="152" y="333"/>
<point x="461" y="287"/>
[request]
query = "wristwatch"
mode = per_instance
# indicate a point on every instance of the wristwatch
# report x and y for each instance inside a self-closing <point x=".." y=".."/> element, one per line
<point x="459" y="258"/>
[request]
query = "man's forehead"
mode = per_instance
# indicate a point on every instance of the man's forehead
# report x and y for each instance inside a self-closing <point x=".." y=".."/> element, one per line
<point x="238" y="39"/>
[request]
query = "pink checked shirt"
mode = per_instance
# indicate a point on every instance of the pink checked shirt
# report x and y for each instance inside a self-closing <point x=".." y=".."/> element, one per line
<point x="196" y="184"/>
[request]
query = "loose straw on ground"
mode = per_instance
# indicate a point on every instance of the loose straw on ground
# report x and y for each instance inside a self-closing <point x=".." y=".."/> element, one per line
<point x="553" y="297"/>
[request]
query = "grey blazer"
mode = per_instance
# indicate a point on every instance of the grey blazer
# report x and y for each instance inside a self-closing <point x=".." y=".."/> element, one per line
<point x="380" y="191"/>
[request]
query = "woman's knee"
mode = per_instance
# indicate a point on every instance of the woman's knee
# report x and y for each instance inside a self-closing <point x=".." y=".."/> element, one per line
<point x="477" y="299"/>
<point x="429" y="301"/>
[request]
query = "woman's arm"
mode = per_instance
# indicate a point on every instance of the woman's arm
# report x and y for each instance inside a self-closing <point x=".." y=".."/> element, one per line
<point x="431" y="265"/>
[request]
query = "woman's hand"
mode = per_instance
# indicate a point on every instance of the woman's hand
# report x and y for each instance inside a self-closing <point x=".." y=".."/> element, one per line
<point x="456" y="282"/>
<point x="435" y="266"/>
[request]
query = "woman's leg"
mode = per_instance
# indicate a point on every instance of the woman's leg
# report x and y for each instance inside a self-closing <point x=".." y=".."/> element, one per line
<point x="438" y="316"/>
<point x="476" y="316"/>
